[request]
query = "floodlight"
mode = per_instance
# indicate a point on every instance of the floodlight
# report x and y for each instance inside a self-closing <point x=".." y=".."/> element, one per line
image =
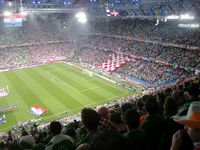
<point x="7" y="13"/>
<point x="172" y="17"/>
<point x="193" y="25"/>
<point x="81" y="17"/>
<point x="186" y="17"/>
<point x="107" y="10"/>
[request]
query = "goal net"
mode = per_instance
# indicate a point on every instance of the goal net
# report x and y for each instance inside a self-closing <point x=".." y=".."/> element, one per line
<point x="87" y="72"/>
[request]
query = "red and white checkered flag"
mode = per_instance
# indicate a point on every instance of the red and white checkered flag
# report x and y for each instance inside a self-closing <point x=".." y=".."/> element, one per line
<point x="114" y="62"/>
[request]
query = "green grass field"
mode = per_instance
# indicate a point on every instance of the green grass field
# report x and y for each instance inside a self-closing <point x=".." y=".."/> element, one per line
<point x="58" y="87"/>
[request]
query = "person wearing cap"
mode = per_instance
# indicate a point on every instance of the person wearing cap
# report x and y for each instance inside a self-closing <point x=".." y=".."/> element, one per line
<point x="192" y="129"/>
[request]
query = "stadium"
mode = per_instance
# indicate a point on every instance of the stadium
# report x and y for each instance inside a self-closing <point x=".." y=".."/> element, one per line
<point x="99" y="75"/>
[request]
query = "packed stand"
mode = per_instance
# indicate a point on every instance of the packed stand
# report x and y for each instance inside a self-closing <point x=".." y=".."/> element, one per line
<point x="32" y="55"/>
<point x="144" y="122"/>
<point x="167" y="32"/>
<point x="154" y="73"/>
<point x="156" y="64"/>
<point x="36" y="29"/>
<point x="151" y="51"/>
<point x="149" y="122"/>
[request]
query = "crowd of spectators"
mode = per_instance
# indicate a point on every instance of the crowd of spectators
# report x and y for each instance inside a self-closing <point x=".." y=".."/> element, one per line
<point x="145" y="122"/>
<point x="158" y="64"/>
<point x="164" y="32"/>
<point x="152" y="72"/>
<point x="35" y="29"/>
<point x="22" y="56"/>
<point x="161" y="61"/>
<point x="93" y="56"/>
<point x="151" y="51"/>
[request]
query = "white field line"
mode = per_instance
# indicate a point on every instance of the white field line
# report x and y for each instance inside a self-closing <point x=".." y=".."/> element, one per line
<point x="92" y="88"/>
<point x="54" y="70"/>
<point x="63" y="83"/>
<point x="92" y="78"/>
<point x="113" y="87"/>
<point x="74" y="66"/>
<point x="79" y="70"/>
<point x="56" y="80"/>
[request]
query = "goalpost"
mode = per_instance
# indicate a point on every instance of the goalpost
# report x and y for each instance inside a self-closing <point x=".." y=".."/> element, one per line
<point x="87" y="72"/>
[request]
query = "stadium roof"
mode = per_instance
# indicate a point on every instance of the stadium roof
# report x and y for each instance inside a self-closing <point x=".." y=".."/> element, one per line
<point x="134" y="8"/>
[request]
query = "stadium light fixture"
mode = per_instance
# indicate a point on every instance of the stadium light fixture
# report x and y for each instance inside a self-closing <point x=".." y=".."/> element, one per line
<point x="172" y="17"/>
<point x="193" y="25"/>
<point x="186" y="17"/>
<point x="7" y="13"/>
<point x="81" y="17"/>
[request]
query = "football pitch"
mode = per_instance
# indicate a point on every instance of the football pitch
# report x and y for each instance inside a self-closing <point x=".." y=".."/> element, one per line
<point x="58" y="87"/>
